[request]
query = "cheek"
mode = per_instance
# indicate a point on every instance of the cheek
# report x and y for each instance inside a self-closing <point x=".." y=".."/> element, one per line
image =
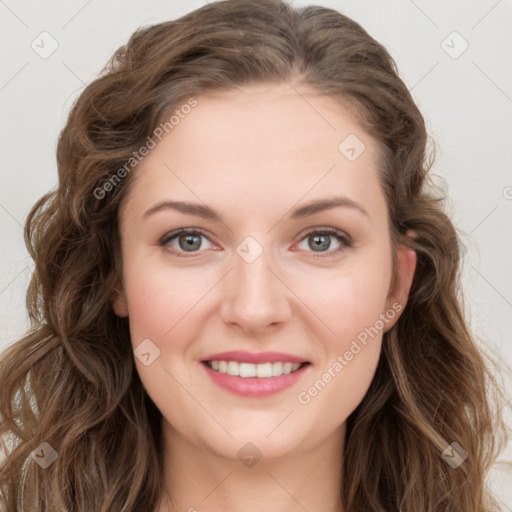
<point x="159" y="299"/>
<point x="353" y="351"/>
<point x="348" y="301"/>
<point x="352" y="303"/>
<point x="163" y="306"/>
<point x="351" y="354"/>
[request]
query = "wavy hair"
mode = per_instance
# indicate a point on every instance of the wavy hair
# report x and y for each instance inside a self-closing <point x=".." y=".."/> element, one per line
<point x="71" y="380"/>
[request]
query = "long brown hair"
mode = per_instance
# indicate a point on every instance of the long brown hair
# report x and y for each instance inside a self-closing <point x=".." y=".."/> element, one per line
<point x="71" y="381"/>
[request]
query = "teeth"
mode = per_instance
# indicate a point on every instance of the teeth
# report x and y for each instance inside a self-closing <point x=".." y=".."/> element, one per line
<point x="264" y="370"/>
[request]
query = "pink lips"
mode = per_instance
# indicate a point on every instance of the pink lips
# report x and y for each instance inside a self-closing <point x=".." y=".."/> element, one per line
<point x="254" y="386"/>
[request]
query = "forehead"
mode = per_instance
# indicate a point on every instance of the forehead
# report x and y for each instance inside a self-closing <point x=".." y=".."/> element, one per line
<point x="267" y="121"/>
<point x="262" y="144"/>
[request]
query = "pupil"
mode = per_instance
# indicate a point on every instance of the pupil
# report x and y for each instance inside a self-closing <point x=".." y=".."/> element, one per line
<point x="191" y="242"/>
<point x="320" y="242"/>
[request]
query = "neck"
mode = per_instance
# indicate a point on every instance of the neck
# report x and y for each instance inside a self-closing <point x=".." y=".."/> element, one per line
<point x="199" y="479"/>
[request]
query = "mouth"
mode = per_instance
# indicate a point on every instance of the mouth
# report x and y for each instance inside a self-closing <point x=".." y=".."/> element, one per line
<point x="255" y="375"/>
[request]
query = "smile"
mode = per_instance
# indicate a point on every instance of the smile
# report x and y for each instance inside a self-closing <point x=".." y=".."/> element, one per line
<point x="254" y="380"/>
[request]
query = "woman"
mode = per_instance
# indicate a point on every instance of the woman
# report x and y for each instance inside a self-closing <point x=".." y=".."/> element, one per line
<point x="246" y="296"/>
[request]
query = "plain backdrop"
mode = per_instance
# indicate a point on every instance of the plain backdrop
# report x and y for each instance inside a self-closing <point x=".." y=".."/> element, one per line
<point x="455" y="57"/>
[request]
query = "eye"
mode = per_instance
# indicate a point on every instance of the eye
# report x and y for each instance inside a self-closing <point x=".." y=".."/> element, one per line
<point x="184" y="241"/>
<point x="320" y="241"/>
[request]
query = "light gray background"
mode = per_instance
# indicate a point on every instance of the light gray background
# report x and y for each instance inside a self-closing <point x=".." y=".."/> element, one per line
<point x="466" y="101"/>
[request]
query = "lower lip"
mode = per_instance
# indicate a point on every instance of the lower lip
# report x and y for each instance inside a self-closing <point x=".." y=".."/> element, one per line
<point x="254" y="386"/>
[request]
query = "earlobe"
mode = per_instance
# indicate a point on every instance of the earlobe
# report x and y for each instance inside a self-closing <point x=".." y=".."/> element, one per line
<point x="119" y="303"/>
<point x="401" y="285"/>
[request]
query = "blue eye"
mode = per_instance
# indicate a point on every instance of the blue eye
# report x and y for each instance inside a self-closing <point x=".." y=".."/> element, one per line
<point x="319" y="241"/>
<point x="189" y="240"/>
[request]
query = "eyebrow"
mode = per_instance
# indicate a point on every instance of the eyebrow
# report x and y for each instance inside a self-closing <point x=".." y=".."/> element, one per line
<point x="205" y="212"/>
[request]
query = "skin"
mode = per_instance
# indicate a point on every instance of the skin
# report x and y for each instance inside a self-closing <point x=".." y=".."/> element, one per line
<point x="253" y="155"/>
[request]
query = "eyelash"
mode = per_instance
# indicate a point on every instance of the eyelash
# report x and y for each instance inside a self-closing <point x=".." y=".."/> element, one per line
<point x="336" y="233"/>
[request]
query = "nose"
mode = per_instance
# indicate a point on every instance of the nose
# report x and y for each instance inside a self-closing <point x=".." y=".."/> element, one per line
<point x="256" y="300"/>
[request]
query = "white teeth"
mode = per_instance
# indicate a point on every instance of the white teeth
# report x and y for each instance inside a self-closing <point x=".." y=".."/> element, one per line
<point x="233" y="368"/>
<point x="264" y="370"/>
<point x="247" y="370"/>
<point x="277" y="369"/>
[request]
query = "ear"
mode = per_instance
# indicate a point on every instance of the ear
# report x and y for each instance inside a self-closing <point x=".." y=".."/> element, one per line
<point x="401" y="284"/>
<point x="119" y="302"/>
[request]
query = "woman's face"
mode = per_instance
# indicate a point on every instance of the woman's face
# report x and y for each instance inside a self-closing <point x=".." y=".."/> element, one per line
<point x="287" y="259"/>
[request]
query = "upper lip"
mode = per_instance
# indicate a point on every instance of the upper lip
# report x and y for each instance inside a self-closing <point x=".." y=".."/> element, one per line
<point x="256" y="358"/>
